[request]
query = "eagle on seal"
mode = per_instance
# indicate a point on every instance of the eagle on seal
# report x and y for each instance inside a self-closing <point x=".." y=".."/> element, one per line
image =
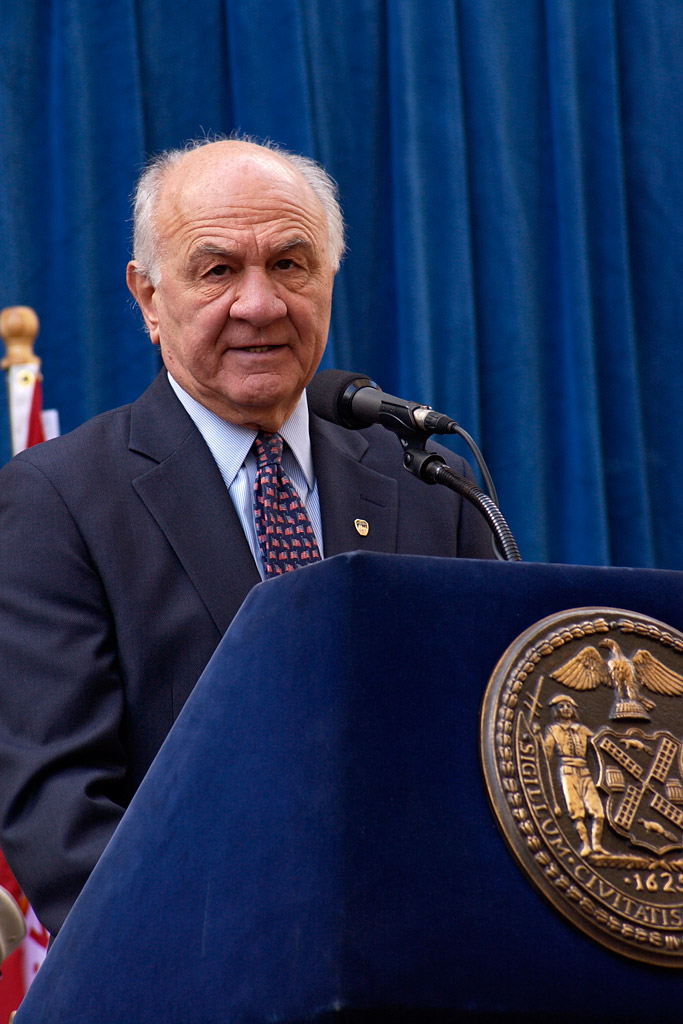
<point x="627" y="676"/>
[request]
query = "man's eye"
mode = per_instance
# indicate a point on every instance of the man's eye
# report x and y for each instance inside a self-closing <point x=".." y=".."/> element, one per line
<point x="220" y="270"/>
<point x="286" y="264"/>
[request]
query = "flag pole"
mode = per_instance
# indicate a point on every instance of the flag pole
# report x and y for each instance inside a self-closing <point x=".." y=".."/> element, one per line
<point x="19" y="326"/>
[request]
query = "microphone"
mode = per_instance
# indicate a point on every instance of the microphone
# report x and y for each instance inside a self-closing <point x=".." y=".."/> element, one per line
<point x="353" y="400"/>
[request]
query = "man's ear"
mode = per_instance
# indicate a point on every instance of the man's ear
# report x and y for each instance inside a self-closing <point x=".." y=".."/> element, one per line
<point x="143" y="291"/>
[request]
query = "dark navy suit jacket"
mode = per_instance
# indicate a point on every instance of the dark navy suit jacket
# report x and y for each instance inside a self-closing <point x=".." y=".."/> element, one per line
<point x="122" y="563"/>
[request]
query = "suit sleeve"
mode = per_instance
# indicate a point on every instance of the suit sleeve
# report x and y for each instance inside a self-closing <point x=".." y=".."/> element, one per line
<point x="61" y="760"/>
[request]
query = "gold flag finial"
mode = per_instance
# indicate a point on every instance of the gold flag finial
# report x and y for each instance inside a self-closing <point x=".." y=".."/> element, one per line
<point x="19" y="326"/>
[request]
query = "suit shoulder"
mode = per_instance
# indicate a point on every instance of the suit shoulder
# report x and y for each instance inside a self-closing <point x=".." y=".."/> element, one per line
<point x="107" y="438"/>
<point x="88" y="442"/>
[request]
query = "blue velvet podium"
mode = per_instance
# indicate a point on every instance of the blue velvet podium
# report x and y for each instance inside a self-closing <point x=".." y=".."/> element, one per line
<point x="314" y="841"/>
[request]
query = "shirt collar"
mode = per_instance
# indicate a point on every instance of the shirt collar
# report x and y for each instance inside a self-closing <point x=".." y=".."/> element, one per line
<point x="230" y="444"/>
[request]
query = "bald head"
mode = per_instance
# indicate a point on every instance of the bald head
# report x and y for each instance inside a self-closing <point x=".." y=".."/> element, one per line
<point x="177" y="169"/>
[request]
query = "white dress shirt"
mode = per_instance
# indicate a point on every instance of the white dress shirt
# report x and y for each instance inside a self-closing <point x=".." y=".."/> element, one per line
<point x="232" y="448"/>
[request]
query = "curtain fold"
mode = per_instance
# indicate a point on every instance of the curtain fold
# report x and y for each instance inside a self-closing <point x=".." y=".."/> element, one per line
<point x="510" y="177"/>
<point x="434" y="299"/>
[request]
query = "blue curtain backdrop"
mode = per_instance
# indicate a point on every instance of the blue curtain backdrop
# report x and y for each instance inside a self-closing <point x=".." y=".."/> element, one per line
<point x="511" y="175"/>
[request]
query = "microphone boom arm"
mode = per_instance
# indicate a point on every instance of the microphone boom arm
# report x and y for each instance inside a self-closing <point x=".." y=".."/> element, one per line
<point x="432" y="469"/>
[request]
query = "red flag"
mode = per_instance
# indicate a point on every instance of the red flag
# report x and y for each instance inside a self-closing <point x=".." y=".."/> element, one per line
<point x="36" y="430"/>
<point x="25" y="406"/>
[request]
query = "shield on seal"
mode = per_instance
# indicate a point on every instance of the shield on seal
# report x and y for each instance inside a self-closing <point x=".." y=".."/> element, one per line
<point x="641" y="773"/>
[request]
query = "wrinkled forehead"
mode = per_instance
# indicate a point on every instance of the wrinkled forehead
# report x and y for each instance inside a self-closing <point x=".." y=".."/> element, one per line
<point x="235" y="185"/>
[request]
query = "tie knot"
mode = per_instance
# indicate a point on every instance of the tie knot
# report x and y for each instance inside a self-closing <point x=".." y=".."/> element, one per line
<point x="268" y="449"/>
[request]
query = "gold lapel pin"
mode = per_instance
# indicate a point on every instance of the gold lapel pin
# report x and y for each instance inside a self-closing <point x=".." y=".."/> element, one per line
<point x="362" y="527"/>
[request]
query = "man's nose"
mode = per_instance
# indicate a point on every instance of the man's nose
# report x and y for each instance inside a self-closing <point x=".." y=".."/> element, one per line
<point x="257" y="300"/>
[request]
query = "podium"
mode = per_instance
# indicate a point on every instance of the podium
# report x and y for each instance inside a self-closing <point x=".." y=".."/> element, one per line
<point x="314" y="840"/>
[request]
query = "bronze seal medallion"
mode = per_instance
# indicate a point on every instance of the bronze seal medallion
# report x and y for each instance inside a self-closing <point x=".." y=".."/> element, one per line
<point x="582" y="750"/>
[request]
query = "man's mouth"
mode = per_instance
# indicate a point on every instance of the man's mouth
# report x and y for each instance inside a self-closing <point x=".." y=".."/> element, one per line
<point x="260" y="348"/>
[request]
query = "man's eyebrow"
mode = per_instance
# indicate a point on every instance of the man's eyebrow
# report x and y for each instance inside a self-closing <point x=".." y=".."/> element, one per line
<point x="206" y="250"/>
<point x="295" y="243"/>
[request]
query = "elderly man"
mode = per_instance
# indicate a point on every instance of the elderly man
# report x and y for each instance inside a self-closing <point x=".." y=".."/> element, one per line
<point x="127" y="546"/>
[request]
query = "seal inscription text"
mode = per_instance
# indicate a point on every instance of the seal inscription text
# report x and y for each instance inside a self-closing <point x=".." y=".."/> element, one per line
<point x="582" y="750"/>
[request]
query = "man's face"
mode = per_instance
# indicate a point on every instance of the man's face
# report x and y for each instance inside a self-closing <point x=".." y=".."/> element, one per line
<point x="242" y="308"/>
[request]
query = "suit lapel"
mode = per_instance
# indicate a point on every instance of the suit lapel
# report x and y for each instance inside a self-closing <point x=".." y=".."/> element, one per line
<point x="187" y="497"/>
<point x="350" y="491"/>
<point x="185" y="493"/>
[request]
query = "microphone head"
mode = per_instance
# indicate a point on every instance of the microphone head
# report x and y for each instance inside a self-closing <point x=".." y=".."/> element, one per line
<point x="330" y="393"/>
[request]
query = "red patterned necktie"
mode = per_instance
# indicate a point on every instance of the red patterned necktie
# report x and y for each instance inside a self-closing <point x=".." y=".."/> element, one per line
<point x="283" y="529"/>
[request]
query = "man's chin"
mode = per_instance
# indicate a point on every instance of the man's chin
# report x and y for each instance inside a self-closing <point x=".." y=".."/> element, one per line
<point x="258" y="407"/>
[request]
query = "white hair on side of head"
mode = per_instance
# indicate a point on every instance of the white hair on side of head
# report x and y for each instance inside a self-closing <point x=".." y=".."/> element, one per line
<point x="145" y="241"/>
